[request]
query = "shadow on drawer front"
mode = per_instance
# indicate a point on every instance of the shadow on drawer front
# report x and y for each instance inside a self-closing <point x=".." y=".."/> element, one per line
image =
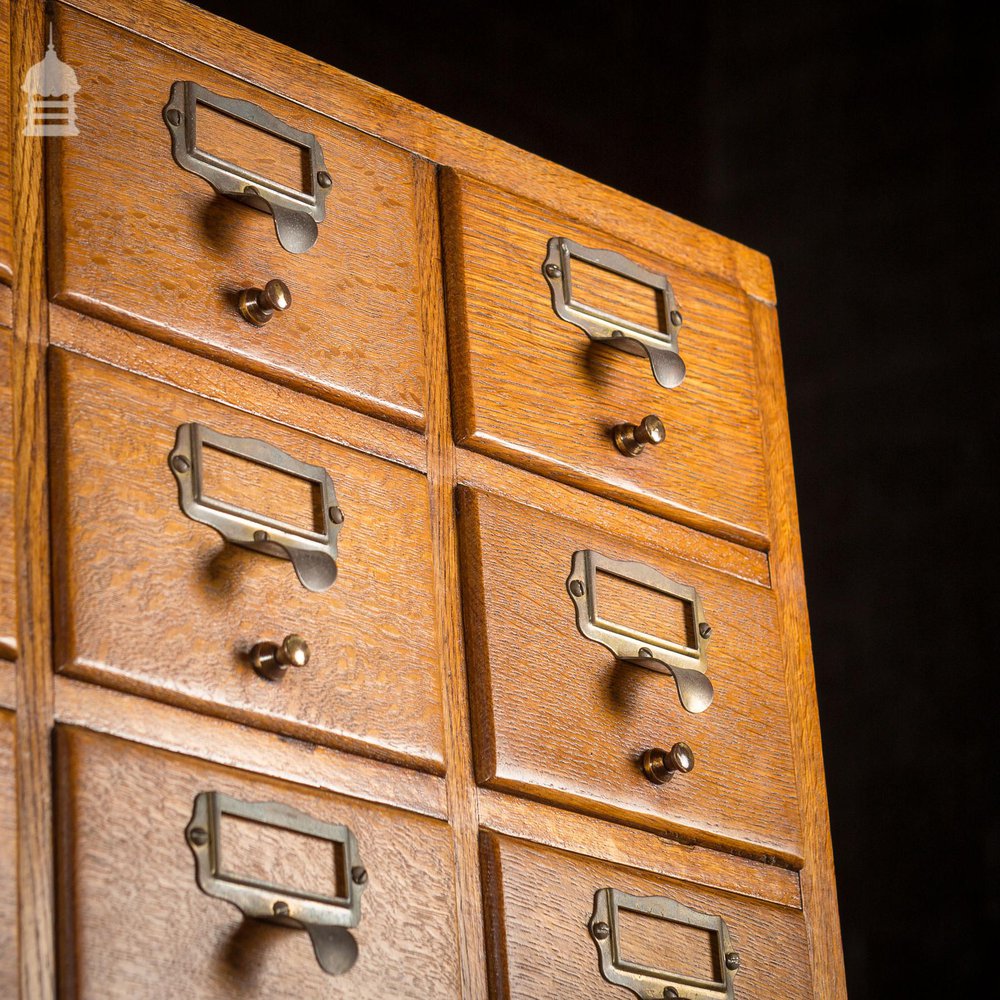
<point x="139" y="914"/>
<point x="557" y="919"/>
<point x="696" y="682"/>
<point x="138" y="240"/>
<point x="227" y="605"/>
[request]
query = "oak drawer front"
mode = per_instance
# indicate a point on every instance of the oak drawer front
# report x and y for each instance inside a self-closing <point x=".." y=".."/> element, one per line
<point x="152" y="601"/>
<point x="533" y="389"/>
<point x="141" y="242"/>
<point x="8" y="581"/>
<point x="557" y="717"/>
<point x="8" y="859"/>
<point x="5" y="144"/>
<point x="135" y="919"/>
<point x="540" y="909"/>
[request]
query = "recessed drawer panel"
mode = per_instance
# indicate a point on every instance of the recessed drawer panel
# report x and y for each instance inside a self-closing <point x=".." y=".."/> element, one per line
<point x="560" y="717"/>
<point x="558" y="920"/>
<point x="137" y="240"/>
<point x="191" y="567"/>
<point x="151" y="843"/>
<point x="6" y="244"/>
<point x="8" y="860"/>
<point x="8" y="583"/>
<point x="533" y="388"/>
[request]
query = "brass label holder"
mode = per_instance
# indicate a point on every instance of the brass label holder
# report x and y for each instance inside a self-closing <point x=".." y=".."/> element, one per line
<point x="655" y="984"/>
<point x="659" y="346"/>
<point x="325" y="918"/>
<point x="296" y="213"/>
<point x="313" y="554"/>
<point x="686" y="664"/>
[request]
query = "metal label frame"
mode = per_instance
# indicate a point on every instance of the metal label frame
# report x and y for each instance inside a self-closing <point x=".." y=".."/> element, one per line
<point x="653" y="984"/>
<point x="313" y="554"/>
<point x="296" y="213"/>
<point x="659" y="346"/>
<point x="688" y="665"/>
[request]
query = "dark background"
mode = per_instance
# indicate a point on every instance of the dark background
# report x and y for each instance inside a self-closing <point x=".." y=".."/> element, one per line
<point x="855" y="144"/>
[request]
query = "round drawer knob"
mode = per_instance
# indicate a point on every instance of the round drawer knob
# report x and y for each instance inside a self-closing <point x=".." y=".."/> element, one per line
<point x="272" y="661"/>
<point x="631" y="439"/>
<point x="258" y="305"/>
<point x="661" y="765"/>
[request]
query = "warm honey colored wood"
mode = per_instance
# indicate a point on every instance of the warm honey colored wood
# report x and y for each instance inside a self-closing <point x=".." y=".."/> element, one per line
<point x="8" y="581"/>
<point x="8" y="685"/>
<point x="624" y="845"/>
<point x="819" y="887"/>
<point x="136" y="923"/>
<point x="557" y="718"/>
<point x="6" y="306"/>
<point x="139" y="241"/>
<point x="540" y="945"/>
<point x="168" y="728"/>
<point x="35" y="909"/>
<point x="8" y="858"/>
<point x="150" y="601"/>
<point x="5" y="146"/>
<point x="439" y="139"/>
<point x="441" y="473"/>
<point x="534" y="390"/>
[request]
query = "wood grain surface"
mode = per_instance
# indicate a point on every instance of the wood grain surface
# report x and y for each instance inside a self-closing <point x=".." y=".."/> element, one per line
<point x="152" y="602"/>
<point x="9" y="969"/>
<point x="8" y="577"/>
<point x="540" y="903"/>
<point x="557" y="718"/>
<point x="139" y="241"/>
<point x="136" y="924"/>
<point x="6" y="236"/>
<point x="533" y="389"/>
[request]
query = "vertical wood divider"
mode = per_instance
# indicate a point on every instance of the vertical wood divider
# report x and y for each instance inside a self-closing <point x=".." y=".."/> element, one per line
<point x="33" y="765"/>
<point x="462" y="799"/>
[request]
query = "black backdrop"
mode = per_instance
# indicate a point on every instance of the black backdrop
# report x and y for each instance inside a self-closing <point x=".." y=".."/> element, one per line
<point x="855" y="144"/>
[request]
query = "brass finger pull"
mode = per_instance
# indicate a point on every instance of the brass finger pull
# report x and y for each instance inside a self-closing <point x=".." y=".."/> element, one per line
<point x="326" y="917"/>
<point x="686" y="663"/>
<point x="631" y="439"/>
<point x="714" y="982"/>
<point x="660" y="346"/>
<point x="258" y="305"/>
<point x="312" y="553"/>
<point x="296" y="213"/>
<point x="271" y="660"/>
<point x="660" y="766"/>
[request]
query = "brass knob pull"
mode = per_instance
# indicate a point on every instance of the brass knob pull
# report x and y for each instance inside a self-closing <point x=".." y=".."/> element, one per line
<point x="272" y="661"/>
<point x="258" y="305"/>
<point x="661" y="765"/>
<point x="630" y="439"/>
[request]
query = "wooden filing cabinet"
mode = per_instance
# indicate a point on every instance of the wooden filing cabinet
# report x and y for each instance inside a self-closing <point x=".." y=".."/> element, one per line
<point x="401" y="591"/>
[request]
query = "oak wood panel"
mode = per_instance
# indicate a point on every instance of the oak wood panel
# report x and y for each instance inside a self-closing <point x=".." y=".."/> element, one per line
<point x="163" y="726"/>
<point x="819" y="886"/>
<point x="555" y="827"/>
<point x="533" y="389"/>
<point x="437" y="138"/>
<point x="6" y="235"/>
<point x="139" y="241"/>
<point x="9" y="970"/>
<point x="8" y="575"/>
<point x="135" y="920"/>
<point x="8" y="685"/>
<point x="540" y="902"/>
<point x="152" y="602"/>
<point x="557" y="718"/>
<point x="6" y="306"/>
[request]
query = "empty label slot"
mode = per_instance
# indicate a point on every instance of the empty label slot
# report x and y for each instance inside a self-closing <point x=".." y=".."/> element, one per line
<point x="630" y="605"/>
<point x="253" y="149"/>
<point x="260" y="490"/>
<point x="630" y="301"/>
<point x="665" y="946"/>
<point x="284" y="859"/>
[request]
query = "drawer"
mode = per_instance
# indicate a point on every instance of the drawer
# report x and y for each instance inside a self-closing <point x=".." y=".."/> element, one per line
<point x="153" y="601"/>
<point x="533" y="389"/>
<point x="139" y="241"/>
<point x="6" y="242"/>
<point x="544" y="906"/>
<point x="8" y="581"/>
<point x="8" y="860"/>
<point x="135" y="919"/>
<point x="559" y="717"/>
